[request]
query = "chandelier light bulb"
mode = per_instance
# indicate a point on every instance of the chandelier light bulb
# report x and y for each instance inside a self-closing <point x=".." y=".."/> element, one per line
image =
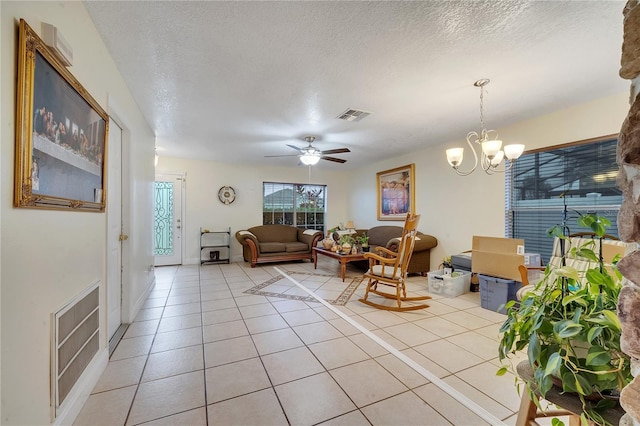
<point x="513" y="151"/>
<point x="454" y="156"/>
<point x="491" y="148"/>
<point x="497" y="159"/>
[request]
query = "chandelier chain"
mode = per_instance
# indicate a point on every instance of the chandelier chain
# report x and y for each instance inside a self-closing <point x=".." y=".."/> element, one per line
<point x="482" y="126"/>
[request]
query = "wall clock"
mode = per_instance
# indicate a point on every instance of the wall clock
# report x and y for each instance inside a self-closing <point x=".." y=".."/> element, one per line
<point x="227" y="195"/>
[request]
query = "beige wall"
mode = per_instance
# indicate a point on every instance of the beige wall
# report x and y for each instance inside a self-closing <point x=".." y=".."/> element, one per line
<point x="49" y="257"/>
<point x="454" y="208"/>
<point x="203" y="209"/>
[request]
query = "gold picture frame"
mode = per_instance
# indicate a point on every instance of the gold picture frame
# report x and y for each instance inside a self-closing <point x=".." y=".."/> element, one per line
<point x="396" y="195"/>
<point x="61" y="134"/>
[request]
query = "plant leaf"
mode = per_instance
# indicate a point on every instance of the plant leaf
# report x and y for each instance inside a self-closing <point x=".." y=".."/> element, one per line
<point x="587" y="254"/>
<point x="553" y="364"/>
<point x="593" y="333"/>
<point x="582" y="385"/>
<point x="567" y="328"/>
<point x="567" y="271"/>
<point x="576" y="297"/>
<point x="598" y="356"/>
<point x="502" y="371"/>
<point x="533" y="349"/>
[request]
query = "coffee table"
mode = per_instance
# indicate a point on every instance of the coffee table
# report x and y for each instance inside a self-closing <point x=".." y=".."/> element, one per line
<point x="342" y="258"/>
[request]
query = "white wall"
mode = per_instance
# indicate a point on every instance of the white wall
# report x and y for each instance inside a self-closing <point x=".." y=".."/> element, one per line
<point x="203" y="209"/>
<point x="454" y="208"/>
<point x="48" y="257"/>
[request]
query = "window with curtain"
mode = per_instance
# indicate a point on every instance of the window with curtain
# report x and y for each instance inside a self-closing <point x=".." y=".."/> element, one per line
<point x="300" y="205"/>
<point x="580" y="176"/>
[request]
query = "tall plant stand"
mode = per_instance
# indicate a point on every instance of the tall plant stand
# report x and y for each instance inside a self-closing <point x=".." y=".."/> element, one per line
<point x="570" y="404"/>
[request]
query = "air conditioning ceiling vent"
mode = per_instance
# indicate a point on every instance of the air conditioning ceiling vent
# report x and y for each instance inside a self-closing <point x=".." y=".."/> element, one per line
<point x="353" y="115"/>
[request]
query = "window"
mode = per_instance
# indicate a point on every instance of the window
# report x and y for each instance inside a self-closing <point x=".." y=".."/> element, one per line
<point x="300" y="205"/>
<point x="581" y="176"/>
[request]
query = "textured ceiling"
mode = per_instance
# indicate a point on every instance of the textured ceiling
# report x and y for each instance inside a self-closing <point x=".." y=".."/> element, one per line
<point x="235" y="81"/>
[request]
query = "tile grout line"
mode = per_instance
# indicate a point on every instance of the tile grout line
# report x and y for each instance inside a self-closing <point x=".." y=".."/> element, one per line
<point x="464" y="400"/>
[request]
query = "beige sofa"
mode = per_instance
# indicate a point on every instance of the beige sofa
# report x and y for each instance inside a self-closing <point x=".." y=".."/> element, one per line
<point x="277" y="243"/>
<point x="389" y="237"/>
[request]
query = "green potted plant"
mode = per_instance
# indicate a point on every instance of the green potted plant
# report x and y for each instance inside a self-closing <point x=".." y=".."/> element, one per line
<point x="346" y="242"/>
<point x="363" y="240"/>
<point x="569" y="328"/>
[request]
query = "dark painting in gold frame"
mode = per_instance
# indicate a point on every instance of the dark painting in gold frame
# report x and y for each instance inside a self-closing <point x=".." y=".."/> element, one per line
<point x="395" y="191"/>
<point x="61" y="134"/>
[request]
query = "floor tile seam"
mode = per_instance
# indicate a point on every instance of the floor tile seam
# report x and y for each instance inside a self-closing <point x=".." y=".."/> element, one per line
<point x="176" y="348"/>
<point x="177" y="329"/>
<point x="144" y="382"/>
<point x="443" y="415"/>
<point x="465" y="349"/>
<point x="139" y="382"/>
<point x="343" y="414"/>
<point x="480" y="390"/>
<point x="168" y="415"/>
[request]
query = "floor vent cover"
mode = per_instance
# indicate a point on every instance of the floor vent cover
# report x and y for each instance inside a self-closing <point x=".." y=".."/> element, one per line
<point x="76" y="341"/>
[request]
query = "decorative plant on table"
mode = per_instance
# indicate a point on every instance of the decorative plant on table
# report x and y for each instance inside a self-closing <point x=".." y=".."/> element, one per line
<point x="346" y="242"/>
<point x="570" y="329"/>
<point x="363" y="240"/>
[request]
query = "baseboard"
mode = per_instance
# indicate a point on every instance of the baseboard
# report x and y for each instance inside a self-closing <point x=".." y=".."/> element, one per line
<point x="76" y="399"/>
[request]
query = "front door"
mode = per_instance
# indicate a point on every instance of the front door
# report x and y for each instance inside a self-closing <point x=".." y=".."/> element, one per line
<point x="167" y="228"/>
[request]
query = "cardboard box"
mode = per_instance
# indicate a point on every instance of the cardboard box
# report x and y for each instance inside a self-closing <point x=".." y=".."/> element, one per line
<point x="497" y="257"/>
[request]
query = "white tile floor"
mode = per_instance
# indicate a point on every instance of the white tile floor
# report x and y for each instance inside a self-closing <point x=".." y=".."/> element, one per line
<point x="203" y="352"/>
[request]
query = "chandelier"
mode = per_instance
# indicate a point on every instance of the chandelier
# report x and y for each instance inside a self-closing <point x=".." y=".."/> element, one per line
<point x="492" y="152"/>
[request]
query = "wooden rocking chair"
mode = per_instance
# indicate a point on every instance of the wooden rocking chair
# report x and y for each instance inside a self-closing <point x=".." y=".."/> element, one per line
<point x="390" y="268"/>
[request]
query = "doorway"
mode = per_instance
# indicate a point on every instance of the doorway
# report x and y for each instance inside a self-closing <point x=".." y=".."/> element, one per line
<point x="115" y="236"/>
<point x="168" y="222"/>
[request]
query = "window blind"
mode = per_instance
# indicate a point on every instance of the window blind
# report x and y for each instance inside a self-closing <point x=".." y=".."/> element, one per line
<point x="300" y="205"/>
<point x="579" y="178"/>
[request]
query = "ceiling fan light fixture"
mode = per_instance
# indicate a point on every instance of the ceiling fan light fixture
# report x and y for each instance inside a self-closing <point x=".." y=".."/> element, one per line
<point x="310" y="158"/>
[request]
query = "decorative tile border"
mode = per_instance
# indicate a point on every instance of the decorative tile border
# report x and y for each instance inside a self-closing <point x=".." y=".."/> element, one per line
<point x="350" y="288"/>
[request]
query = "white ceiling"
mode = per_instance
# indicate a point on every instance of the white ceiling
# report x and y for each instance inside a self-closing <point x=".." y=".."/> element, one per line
<point x="233" y="81"/>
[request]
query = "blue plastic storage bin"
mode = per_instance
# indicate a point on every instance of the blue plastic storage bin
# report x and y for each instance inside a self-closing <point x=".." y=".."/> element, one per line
<point x="496" y="292"/>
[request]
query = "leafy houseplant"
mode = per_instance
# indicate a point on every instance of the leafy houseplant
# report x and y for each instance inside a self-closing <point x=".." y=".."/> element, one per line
<point x="570" y="329"/>
<point x="346" y="242"/>
<point x="363" y="240"/>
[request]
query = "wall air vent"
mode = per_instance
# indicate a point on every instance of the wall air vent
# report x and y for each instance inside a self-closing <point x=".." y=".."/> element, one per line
<point x="353" y="115"/>
<point x="58" y="45"/>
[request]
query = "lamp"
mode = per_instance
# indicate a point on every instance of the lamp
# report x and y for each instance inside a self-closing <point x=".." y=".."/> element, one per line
<point x="492" y="152"/>
<point x="310" y="156"/>
<point x="350" y="225"/>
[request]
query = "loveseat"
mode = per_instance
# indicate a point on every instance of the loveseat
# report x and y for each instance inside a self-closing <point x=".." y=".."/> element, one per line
<point x="277" y="243"/>
<point x="389" y="237"/>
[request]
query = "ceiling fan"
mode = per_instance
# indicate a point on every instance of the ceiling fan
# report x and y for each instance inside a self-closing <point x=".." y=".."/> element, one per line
<point x="310" y="155"/>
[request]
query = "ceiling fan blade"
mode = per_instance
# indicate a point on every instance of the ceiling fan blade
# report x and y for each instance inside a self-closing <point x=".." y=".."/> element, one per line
<point x="294" y="147"/>
<point x="292" y="155"/>
<point x="334" y="159"/>
<point x="336" y="151"/>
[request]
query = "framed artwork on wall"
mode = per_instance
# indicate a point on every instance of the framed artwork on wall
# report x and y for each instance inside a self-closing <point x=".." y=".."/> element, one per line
<point x="61" y="134"/>
<point x="396" y="192"/>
